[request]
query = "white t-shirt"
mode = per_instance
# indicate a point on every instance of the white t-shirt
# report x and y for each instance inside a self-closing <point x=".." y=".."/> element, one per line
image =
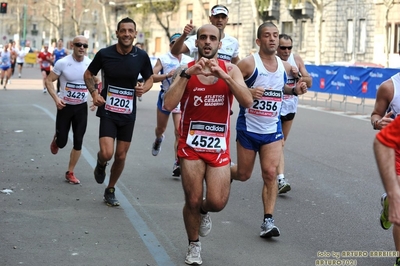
<point x="72" y="86"/>
<point x="229" y="48"/>
<point x="20" y="55"/>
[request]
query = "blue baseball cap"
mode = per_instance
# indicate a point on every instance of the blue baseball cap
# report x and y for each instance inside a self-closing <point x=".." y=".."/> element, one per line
<point x="173" y="37"/>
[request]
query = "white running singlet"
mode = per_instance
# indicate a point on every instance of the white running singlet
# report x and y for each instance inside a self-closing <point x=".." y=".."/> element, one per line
<point x="289" y="104"/>
<point x="263" y="117"/>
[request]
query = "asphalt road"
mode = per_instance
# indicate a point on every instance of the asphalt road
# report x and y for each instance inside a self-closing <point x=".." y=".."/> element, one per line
<point x="333" y="207"/>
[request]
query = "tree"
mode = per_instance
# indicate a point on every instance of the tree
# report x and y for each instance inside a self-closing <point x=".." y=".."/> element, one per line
<point x="55" y="16"/>
<point x="77" y="13"/>
<point x="162" y="10"/>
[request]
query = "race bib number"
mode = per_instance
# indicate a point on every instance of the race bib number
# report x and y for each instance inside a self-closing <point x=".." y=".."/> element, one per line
<point x="75" y="93"/>
<point x="119" y="100"/>
<point x="207" y="137"/>
<point x="268" y="105"/>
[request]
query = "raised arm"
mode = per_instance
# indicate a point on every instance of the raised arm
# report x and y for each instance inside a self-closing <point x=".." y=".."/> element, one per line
<point x="179" y="47"/>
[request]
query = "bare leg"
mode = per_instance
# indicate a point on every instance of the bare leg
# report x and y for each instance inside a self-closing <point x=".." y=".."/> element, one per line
<point x="73" y="159"/>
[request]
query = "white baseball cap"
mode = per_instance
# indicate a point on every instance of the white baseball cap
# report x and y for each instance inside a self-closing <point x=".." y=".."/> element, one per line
<point x="219" y="10"/>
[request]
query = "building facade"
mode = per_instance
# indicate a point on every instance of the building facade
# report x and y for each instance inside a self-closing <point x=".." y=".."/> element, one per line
<point x="338" y="31"/>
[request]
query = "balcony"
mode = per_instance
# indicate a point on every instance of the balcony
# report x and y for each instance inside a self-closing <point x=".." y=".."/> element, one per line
<point x="271" y="12"/>
<point x="301" y="10"/>
<point x="34" y="32"/>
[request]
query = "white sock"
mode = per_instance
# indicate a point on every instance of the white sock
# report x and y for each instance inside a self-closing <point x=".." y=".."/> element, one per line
<point x="280" y="176"/>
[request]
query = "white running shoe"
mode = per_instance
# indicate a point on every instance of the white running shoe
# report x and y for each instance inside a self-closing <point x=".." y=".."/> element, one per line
<point x="283" y="186"/>
<point x="193" y="254"/>
<point x="44" y="90"/>
<point x="205" y="224"/>
<point x="268" y="228"/>
<point x="157" y="146"/>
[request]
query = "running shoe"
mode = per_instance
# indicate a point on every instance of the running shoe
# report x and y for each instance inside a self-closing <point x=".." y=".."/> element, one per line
<point x="44" y="90"/>
<point x="384" y="219"/>
<point x="53" y="145"/>
<point x="268" y="228"/>
<point x="140" y="98"/>
<point x="100" y="172"/>
<point x="157" y="146"/>
<point x="71" y="178"/>
<point x="176" y="170"/>
<point x="205" y="224"/>
<point x="283" y="186"/>
<point x="109" y="197"/>
<point x="193" y="254"/>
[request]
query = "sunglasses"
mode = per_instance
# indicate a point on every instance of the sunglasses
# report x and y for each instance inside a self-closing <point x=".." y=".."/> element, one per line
<point x="79" y="44"/>
<point x="285" y="47"/>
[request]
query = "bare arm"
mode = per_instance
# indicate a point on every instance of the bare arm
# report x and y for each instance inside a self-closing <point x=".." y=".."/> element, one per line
<point x="236" y="83"/>
<point x="89" y="79"/>
<point x="50" y="88"/>
<point x="384" y="96"/>
<point x="179" y="47"/>
<point x="175" y="92"/>
<point x="156" y="70"/>
<point x="301" y="86"/>
<point x="148" y="84"/>
<point x="303" y="71"/>
<point x="235" y="60"/>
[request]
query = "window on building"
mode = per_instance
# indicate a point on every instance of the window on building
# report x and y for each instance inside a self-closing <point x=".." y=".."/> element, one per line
<point x="350" y="36"/>
<point x="362" y="35"/>
<point x="303" y="35"/>
<point x="189" y="11"/>
<point x="95" y="15"/>
<point x="396" y="38"/>
<point x="287" y="28"/>
<point x="158" y="45"/>
<point x="206" y="7"/>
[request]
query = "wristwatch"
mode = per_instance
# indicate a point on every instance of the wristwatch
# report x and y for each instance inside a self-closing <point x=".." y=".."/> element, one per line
<point x="184" y="75"/>
<point x="294" y="92"/>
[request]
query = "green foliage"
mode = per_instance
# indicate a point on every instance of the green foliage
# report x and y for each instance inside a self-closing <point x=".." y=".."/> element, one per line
<point x="157" y="7"/>
<point x="263" y="5"/>
<point x="295" y="2"/>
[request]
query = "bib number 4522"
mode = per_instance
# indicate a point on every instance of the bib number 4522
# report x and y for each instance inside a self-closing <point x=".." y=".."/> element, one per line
<point x="206" y="142"/>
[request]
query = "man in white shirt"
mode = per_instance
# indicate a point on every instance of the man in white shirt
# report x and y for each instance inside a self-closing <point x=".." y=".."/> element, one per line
<point x="229" y="50"/>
